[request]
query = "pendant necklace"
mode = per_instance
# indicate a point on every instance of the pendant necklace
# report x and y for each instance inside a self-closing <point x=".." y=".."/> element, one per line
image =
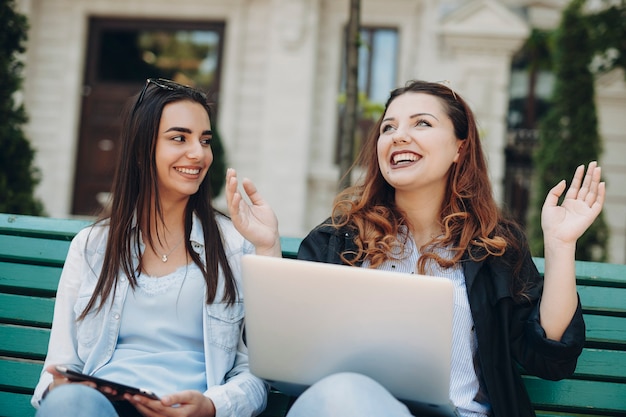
<point x="165" y="255"/>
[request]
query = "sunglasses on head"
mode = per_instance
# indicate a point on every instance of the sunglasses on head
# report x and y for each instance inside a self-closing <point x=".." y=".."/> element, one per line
<point x="448" y="84"/>
<point x="164" y="84"/>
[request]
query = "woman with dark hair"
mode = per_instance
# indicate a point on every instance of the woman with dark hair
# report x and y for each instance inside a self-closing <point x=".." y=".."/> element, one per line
<point x="150" y="294"/>
<point x="425" y="206"/>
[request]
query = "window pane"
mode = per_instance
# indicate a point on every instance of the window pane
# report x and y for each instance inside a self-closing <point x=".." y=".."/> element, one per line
<point x="384" y="64"/>
<point x="128" y="55"/>
<point x="378" y="53"/>
<point x="364" y="59"/>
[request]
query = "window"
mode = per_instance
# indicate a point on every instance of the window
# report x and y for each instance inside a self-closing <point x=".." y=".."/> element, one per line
<point x="377" y="63"/>
<point x="187" y="54"/>
<point x="378" y="56"/>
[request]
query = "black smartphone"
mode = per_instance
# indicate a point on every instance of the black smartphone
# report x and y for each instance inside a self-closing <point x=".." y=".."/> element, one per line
<point x="120" y="388"/>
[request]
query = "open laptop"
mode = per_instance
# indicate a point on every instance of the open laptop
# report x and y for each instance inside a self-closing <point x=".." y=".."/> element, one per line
<point x="307" y="320"/>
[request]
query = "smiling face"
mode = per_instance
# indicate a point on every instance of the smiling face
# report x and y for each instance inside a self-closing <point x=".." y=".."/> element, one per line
<point x="417" y="145"/>
<point x="183" y="151"/>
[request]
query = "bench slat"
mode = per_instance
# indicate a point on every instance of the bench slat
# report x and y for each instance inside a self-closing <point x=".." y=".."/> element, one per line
<point x="19" y="376"/>
<point x="579" y="396"/>
<point x="16" y="405"/>
<point x="33" y="250"/>
<point x="611" y="301"/>
<point x="289" y="246"/>
<point x="608" y="365"/>
<point x="23" y="342"/>
<point x="50" y="228"/>
<point x="598" y="273"/>
<point x="606" y="331"/>
<point x="594" y="273"/>
<point x="26" y="310"/>
<point x="29" y="279"/>
<point x="543" y="413"/>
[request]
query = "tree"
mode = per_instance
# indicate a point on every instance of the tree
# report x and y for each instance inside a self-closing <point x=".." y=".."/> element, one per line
<point x="18" y="177"/>
<point x="348" y="126"/>
<point x="568" y="135"/>
<point x="535" y="54"/>
<point x="608" y="36"/>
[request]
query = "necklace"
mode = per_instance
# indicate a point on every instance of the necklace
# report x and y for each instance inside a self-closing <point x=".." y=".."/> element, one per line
<point x="165" y="255"/>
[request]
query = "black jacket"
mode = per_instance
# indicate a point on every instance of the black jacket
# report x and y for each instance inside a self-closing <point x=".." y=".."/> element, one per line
<point x="508" y="330"/>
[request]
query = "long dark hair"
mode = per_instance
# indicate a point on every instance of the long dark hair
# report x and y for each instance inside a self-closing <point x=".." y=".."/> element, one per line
<point x="470" y="218"/>
<point x="135" y="187"/>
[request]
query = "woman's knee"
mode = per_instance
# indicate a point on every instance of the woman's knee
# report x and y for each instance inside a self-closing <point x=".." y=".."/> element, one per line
<point x="347" y="394"/>
<point x="76" y="399"/>
<point x="347" y="384"/>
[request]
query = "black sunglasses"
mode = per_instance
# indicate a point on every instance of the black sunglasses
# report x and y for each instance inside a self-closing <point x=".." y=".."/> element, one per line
<point x="165" y="84"/>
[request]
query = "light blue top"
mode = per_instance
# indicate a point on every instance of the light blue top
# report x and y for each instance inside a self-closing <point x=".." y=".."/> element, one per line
<point x="160" y="344"/>
<point x="89" y="345"/>
<point x="466" y="392"/>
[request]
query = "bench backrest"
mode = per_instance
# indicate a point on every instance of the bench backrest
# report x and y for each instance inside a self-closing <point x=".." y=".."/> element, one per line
<point x="33" y="249"/>
<point x="598" y="386"/>
<point x="32" y="252"/>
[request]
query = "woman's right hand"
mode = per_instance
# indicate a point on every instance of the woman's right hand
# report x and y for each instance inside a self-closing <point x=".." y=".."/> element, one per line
<point x="58" y="379"/>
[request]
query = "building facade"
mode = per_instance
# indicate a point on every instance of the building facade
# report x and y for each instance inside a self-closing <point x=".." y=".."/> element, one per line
<point x="280" y="72"/>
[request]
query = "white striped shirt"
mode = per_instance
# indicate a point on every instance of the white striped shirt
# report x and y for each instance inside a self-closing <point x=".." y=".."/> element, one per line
<point x="466" y="392"/>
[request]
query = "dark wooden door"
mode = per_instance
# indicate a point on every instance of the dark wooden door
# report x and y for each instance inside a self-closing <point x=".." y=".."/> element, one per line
<point x="121" y="54"/>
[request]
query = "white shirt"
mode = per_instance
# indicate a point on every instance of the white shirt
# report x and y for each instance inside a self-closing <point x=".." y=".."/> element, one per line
<point x="466" y="392"/>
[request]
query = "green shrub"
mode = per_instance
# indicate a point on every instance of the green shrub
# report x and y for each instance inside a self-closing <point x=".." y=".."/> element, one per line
<point x="18" y="176"/>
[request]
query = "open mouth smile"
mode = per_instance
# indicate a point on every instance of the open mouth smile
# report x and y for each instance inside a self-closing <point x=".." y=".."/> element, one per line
<point x="404" y="158"/>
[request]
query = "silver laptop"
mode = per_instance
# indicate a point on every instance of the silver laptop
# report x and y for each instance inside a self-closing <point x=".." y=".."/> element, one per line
<point x="306" y="320"/>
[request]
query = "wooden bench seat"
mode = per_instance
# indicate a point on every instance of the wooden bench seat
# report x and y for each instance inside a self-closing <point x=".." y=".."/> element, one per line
<point x="33" y="249"/>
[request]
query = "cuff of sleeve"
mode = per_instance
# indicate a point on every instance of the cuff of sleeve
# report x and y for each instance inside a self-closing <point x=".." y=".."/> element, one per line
<point x="44" y="394"/>
<point x="221" y="401"/>
<point x="571" y="344"/>
<point x="41" y="390"/>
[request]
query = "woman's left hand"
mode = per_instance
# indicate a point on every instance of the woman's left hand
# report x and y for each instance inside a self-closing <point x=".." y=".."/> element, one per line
<point x="583" y="202"/>
<point x="182" y="404"/>
<point x="257" y="221"/>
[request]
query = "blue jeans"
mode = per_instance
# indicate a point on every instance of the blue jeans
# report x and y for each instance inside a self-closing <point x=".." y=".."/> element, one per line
<point x="81" y="400"/>
<point x="347" y="395"/>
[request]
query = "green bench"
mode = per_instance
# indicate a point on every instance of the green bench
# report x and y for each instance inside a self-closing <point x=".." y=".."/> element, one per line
<point x="33" y="249"/>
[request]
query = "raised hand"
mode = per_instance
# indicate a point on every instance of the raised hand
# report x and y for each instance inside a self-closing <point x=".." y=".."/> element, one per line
<point x="562" y="225"/>
<point x="257" y="221"/>
<point x="583" y="202"/>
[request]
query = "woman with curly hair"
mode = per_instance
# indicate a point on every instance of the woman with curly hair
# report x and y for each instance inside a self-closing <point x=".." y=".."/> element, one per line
<point x="425" y="206"/>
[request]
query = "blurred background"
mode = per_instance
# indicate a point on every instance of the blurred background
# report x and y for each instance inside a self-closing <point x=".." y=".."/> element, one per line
<point x="276" y="71"/>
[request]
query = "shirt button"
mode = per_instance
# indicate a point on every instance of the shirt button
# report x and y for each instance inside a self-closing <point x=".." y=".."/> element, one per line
<point x="116" y="316"/>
